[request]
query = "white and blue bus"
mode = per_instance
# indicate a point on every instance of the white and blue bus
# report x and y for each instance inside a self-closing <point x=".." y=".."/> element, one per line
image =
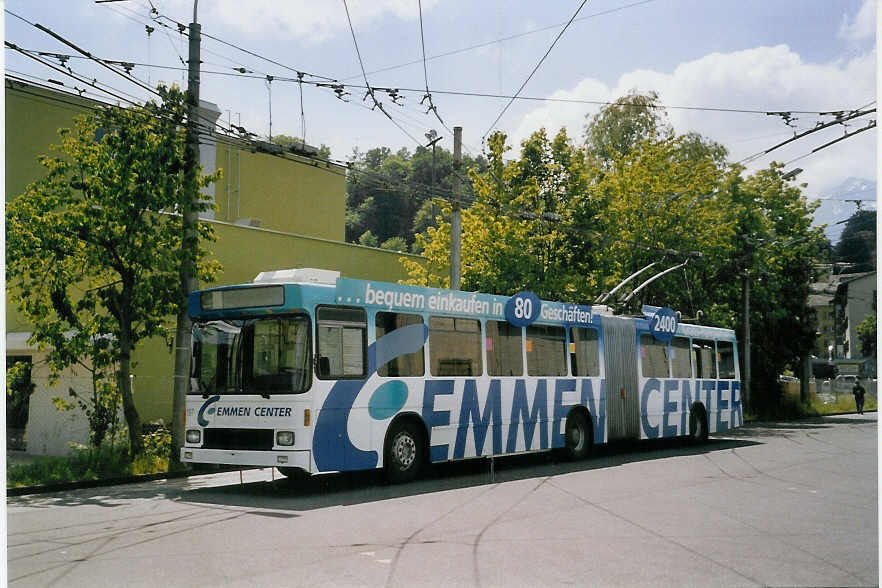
<point x="310" y="372"/>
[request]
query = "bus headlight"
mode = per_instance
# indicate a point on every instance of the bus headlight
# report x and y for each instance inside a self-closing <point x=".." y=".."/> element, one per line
<point x="285" y="438"/>
<point x="194" y="436"/>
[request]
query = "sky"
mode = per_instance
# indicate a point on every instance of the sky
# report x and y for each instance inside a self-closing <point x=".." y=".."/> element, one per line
<point x="707" y="60"/>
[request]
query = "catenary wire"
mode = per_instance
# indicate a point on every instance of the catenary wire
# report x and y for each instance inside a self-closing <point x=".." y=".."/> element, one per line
<point x="535" y="69"/>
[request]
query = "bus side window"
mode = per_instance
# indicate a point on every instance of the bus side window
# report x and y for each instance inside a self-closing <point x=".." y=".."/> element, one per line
<point x="584" y="352"/>
<point x="342" y="342"/>
<point x="681" y="366"/>
<point x="705" y="359"/>
<point x="454" y="346"/>
<point x="726" y="354"/>
<point x="503" y="342"/>
<point x="546" y="350"/>
<point x="409" y="364"/>
<point x="654" y="357"/>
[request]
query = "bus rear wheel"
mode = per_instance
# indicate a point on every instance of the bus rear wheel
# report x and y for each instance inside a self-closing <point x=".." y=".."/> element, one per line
<point x="577" y="439"/>
<point x="404" y="452"/>
<point x="697" y="425"/>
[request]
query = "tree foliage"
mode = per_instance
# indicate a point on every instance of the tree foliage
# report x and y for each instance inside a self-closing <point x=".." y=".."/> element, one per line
<point x="394" y="195"/>
<point x="857" y="244"/>
<point x="866" y="331"/>
<point x="93" y="248"/>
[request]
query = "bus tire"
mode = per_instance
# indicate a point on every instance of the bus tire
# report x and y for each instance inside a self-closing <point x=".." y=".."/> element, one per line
<point x="697" y="425"/>
<point x="577" y="436"/>
<point x="404" y="452"/>
<point x="294" y="474"/>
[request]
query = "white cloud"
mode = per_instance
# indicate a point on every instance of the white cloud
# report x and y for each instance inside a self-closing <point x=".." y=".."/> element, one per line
<point x="309" y="21"/>
<point x="862" y="26"/>
<point x="765" y="79"/>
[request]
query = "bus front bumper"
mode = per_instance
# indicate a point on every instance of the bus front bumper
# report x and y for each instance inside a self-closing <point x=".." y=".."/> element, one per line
<point x="282" y="459"/>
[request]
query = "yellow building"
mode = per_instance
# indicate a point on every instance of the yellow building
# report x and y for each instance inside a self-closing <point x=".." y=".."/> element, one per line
<point x="274" y="209"/>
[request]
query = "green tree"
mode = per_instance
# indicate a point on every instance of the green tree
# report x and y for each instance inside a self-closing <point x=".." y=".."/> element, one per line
<point x="389" y="193"/>
<point x="324" y="152"/>
<point x="514" y="234"/>
<point x="857" y="245"/>
<point x="93" y="248"/>
<point x="620" y="127"/>
<point x="866" y="331"/>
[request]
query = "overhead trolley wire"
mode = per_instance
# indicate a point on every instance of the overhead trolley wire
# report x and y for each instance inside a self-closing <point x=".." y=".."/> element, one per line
<point x="370" y="90"/>
<point x="535" y="69"/>
<point x="501" y="39"/>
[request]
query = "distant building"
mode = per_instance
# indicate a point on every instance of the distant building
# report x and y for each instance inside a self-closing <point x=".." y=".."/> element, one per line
<point x="855" y="299"/>
<point x="275" y="209"/>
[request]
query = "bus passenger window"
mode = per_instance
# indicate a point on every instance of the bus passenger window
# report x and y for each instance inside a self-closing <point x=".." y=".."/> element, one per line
<point x="726" y="352"/>
<point x="585" y="354"/>
<point x="654" y="357"/>
<point x="546" y="350"/>
<point x="705" y="359"/>
<point x="503" y="342"/>
<point x="681" y="366"/>
<point x="342" y="336"/>
<point x="409" y="364"/>
<point x="454" y="346"/>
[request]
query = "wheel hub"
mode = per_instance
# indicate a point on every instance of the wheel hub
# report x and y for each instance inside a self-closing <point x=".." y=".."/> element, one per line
<point x="404" y="450"/>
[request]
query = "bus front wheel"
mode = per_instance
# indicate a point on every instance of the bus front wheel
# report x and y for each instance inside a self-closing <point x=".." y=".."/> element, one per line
<point x="404" y="453"/>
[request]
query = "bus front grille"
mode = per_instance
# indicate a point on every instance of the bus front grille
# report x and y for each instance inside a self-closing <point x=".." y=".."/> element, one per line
<point x="245" y="439"/>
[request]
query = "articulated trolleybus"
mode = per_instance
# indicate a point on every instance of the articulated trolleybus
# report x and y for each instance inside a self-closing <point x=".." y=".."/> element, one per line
<point x="310" y="372"/>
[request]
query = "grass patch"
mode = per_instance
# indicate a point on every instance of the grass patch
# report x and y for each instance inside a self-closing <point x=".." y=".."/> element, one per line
<point x="89" y="463"/>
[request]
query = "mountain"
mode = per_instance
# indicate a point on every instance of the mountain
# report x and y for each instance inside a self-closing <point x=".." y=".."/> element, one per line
<point x="835" y="207"/>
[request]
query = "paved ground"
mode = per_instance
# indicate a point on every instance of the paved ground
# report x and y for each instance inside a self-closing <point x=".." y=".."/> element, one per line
<point x="776" y="504"/>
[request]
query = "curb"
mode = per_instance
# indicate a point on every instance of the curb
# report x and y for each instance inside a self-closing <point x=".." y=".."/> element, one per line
<point x="117" y="481"/>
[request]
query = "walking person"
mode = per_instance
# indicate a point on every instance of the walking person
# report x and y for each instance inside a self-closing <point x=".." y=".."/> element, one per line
<point x="858" y="392"/>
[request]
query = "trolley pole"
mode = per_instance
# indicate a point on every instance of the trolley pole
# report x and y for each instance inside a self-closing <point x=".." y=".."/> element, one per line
<point x="456" y="218"/>
<point x="189" y="242"/>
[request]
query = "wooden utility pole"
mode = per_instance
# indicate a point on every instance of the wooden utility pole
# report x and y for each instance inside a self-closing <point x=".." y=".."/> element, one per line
<point x="189" y="243"/>
<point x="456" y="218"/>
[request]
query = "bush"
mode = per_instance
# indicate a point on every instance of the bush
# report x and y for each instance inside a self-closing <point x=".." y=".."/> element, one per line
<point x="89" y="463"/>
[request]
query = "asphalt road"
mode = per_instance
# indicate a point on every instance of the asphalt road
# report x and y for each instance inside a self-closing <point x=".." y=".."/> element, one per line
<point x="772" y="504"/>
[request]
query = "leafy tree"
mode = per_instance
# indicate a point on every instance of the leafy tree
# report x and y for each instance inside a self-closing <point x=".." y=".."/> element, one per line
<point x="866" y="331"/>
<point x="368" y="239"/>
<point x="324" y="152"/>
<point x="857" y="245"/>
<point x="388" y="192"/>
<point x="93" y="248"/>
<point x="511" y="234"/>
<point x="394" y="244"/>
<point x="620" y="127"/>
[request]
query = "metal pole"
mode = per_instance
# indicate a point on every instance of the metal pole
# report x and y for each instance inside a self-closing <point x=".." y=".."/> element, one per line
<point x="746" y="375"/>
<point x="456" y="219"/>
<point x="189" y="242"/>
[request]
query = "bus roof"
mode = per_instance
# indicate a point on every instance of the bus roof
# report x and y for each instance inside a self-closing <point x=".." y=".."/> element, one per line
<point x="301" y="289"/>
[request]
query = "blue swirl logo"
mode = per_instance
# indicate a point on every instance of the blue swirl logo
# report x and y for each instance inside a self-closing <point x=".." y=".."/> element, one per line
<point x="200" y="418"/>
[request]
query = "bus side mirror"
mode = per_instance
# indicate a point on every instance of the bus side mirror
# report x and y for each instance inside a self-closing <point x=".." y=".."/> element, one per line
<point x="323" y="366"/>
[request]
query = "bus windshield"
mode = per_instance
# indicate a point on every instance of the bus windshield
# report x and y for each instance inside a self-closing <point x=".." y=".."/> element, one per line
<point x="262" y="356"/>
